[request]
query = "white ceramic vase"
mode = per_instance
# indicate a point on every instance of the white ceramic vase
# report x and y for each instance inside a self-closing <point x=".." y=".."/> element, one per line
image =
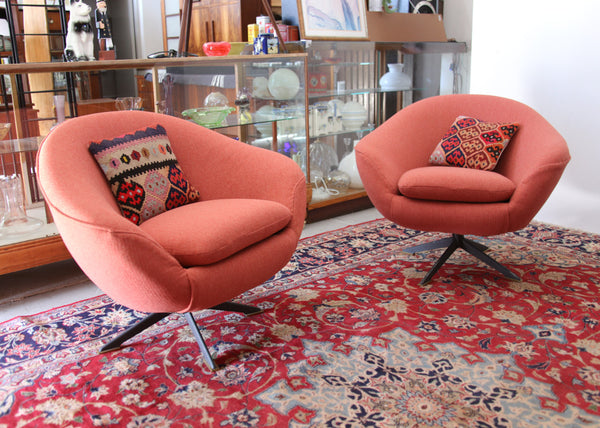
<point x="395" y="79"/>
<point x="348" y="165"/>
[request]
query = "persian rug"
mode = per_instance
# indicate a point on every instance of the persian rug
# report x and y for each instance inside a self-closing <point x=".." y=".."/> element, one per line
<point x="348" y="338"/>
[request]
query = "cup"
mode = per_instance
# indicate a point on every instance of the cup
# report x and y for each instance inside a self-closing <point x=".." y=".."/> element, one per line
<point x="375" y="5"/>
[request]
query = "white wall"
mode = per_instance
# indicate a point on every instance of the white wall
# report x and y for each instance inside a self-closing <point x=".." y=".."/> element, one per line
<point x="149" y="22"/>
<point x="545" y="53"/>
<point x="458" y="23"/>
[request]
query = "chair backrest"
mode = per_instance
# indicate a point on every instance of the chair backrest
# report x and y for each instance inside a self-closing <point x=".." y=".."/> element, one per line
<point x="71" y="175"/>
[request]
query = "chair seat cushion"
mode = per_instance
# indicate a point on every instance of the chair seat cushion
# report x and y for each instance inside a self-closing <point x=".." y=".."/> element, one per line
<point x="442" y="183"/>
<point x="209" y="231"/>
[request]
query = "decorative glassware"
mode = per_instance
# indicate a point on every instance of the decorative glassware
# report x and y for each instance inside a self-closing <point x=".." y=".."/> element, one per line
<point x="348" y="165"/>
<point x="127" y="103"/>
<point x="395" y="79"/>
<point x="59" y="106"/>
<point x="323" y="158"/>
<point x="283" y="84"/>
<point x="4" y="128"/>
<point x="216" y="48"/>
<point x="338" y="180"/>
<point x="14" y="220"/>
<point x="216" y="99"/>
<point x="264" y="116"/>
<point x="243" y="104"/>
<point x="354" y="115"/>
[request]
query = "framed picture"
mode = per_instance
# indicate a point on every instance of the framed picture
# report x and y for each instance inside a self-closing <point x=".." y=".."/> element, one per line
<point x="333" y="19"/>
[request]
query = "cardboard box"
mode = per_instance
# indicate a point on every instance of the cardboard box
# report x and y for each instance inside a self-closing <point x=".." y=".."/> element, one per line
<point x="405" y="27"/>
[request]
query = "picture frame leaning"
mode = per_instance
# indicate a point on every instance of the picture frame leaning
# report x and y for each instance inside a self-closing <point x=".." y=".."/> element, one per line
<point x="333" y="19"/>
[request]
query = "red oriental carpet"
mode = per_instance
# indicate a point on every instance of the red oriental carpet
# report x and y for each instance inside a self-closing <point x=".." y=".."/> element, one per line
<point x="348" y="338"/>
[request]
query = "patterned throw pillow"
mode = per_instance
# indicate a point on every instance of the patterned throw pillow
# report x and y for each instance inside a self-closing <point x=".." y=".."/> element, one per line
<point x="143" y="173"/>
<point x="472" y="143"/>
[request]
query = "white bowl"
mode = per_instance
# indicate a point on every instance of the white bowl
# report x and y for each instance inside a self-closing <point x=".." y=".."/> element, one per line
<point x="266" y="112"/>
<point x="352" y="124"/>
<point x="216" y="99"/>
<point x="354" y="115"/>
<point x="260" y="87"/>
<point x="284" y="84"/>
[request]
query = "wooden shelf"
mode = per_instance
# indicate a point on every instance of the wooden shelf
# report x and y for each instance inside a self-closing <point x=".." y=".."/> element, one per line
<point x="321" y="210"/>
<point x="28" y="254"/>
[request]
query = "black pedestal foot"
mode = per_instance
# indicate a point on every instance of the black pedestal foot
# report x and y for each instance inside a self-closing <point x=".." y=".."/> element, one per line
<point x="134" y="330"/>
<point x="152" y="319"/>
<point x="452" y="244"/>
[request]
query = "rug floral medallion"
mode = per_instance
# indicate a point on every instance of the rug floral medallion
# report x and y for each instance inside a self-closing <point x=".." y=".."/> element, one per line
<point x="348" y="338"/>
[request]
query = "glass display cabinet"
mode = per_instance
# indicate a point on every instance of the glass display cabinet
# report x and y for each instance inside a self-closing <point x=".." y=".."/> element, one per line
<point x="312" y="107"/>
<point x="259" y="100"/>
<point x="347" y="99"/>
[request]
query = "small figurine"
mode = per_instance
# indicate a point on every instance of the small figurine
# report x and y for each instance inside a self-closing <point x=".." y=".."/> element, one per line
<point x="243" y="103"/>
<point x="80" y="38"/>
<point x="103" y="26"/>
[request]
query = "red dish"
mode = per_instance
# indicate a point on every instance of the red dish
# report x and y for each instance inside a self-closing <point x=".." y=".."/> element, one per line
<point x="216" y="48"/>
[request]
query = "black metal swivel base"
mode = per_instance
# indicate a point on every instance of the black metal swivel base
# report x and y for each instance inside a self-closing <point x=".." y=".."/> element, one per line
<point x="156" y="317"/>
<point x="452" y="244"/>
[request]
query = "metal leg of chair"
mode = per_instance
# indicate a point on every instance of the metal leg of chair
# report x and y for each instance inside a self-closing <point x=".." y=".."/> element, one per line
<point x="133" y="331"/>
<point x="476" y="244"/>
<point x="433" y="245"/>
<point x="198" y="335"/>
<point x="454" y="244"/>
<point x="238" y="307"/>
<point x="468" y="246"/>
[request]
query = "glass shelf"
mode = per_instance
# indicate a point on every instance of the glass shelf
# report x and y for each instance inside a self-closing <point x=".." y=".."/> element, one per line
<point x="339" y="64"/>
<point x="46" y="231"/>
<point x="347" y="92"/>
<point x="29" y="144"/>
<point x="235" y="119"/>
<point x="361" y="130"/>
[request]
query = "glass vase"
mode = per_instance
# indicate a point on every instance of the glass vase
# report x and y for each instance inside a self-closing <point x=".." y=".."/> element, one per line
<point x="15" y="221"/>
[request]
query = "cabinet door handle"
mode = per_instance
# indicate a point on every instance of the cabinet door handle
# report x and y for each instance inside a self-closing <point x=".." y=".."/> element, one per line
<point x="207" y="33"/>
<point x="213" y="31"/>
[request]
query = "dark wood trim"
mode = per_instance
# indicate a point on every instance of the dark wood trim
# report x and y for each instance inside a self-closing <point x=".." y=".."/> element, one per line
<point x="339" y="208"/>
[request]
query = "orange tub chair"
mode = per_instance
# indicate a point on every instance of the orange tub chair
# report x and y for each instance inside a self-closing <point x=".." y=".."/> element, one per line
<point x="242" y="231"/>
<point x="393" y="162"/>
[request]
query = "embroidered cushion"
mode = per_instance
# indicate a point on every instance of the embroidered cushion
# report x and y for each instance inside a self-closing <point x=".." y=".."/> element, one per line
<point x="143" y="173"/>
<point x="438" y="183"/>
<point x="472" y="143"/>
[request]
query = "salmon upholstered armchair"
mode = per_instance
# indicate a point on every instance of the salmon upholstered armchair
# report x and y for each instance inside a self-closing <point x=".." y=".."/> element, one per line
<point x="394" y="165"/>
<point x="200" y="255"/>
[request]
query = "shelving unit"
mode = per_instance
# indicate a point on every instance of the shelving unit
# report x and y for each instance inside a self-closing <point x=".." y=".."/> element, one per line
<point x="358" y="64"/>
<point x="38" y="32"/>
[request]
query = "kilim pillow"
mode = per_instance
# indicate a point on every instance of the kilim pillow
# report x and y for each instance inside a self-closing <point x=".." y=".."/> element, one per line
<point x="143" y="173"/>
<point x="472" y="143"/>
